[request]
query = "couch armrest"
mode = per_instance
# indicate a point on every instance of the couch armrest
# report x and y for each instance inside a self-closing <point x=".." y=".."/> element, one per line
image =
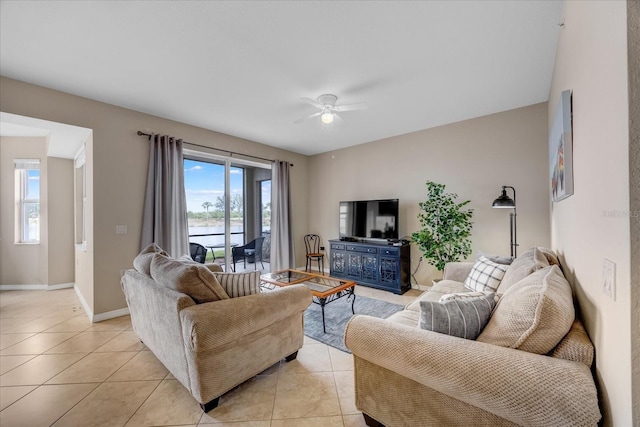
<point x="214" y="324"/>
<point x="457" y="271"/>
<point x="525" y="388"/>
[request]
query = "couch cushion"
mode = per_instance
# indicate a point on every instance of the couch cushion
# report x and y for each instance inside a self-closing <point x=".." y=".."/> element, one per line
<point x="575" y="346"/>
<point x="142" y="262"/>
<point x="435" y="293"/>
<point x="463" y="318"/>
<point x="485" y="275"/>
<point x="239" y="284"/>
<point x="498" y="259"/>
<point x="530" y="261"/>
<point x="406" y="317"/>
<point x="189" y="278"/>
<point x="534" y="314"/>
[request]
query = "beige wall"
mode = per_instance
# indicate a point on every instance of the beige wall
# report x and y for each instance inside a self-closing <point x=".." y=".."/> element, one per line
<point x="633" y="38"/>
<point x="60" y="219"/>
<point x="22" y="264"/>
<point x="473" y="158"/>
<point x="594" y="223"/>
<point x="119" y="173"/>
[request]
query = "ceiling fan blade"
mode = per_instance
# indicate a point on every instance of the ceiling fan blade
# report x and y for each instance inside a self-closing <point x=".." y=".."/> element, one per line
<point x="338" y="119"/>
<point x="351" y="107"/>
<point x="312" y="102"/>
<point x="308" y="117"/>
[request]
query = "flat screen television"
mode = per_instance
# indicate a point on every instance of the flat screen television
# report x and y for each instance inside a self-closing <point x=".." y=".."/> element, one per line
<point x="369" y="219"/>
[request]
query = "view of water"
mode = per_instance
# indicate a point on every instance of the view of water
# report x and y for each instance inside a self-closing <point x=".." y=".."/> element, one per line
<point x="216" y="240"/>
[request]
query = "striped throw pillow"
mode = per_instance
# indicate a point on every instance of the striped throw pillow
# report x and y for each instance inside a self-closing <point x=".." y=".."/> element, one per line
<point x="485" y="275"/>
<point x="239" y="284"/>
<point x="463" y="318"/>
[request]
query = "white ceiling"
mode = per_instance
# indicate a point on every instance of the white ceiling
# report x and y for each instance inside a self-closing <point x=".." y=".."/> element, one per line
<point x="240" y="68"/>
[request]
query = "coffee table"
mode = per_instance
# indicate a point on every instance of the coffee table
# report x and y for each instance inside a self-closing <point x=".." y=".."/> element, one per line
<point x="323" y="288"/>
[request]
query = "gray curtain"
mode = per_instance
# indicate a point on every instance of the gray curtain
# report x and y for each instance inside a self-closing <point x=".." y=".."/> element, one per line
<point x="282" y="249"/>
<point x="165" y="205"/>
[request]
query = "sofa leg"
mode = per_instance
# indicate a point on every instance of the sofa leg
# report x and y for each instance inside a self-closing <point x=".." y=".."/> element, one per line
<point x="291" y="357"/>
<point x="371" y="422"/>
<point x="212" y="404"/>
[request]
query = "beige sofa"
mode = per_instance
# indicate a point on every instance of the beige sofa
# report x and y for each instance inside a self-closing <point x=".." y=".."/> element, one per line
<point x="211" y="347"/>
<point x="409" y="376"/>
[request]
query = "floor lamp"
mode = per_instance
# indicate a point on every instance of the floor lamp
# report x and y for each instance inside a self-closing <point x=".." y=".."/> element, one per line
<point x="506" y="202"/>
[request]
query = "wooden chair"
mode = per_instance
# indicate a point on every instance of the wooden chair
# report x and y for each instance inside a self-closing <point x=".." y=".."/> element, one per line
<point x="312" y="245"/>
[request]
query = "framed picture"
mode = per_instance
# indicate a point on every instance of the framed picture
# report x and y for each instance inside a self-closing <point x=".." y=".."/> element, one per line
<point x="561" y="150"/>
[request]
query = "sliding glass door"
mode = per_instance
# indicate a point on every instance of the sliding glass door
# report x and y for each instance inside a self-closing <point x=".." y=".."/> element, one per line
<point x="210" y="222"/>
<point x="222" y="205"/>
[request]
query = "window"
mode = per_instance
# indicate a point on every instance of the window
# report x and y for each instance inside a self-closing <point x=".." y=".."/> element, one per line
<point x="265" y="206"/>
<point x="27" y="179"/>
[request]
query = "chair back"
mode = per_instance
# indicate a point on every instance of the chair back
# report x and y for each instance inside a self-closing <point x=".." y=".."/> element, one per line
<point x="257" y="245"/>
<point x="312" y="243"/>
<point x="238" y="252"/>
<point x="198" y="252"/>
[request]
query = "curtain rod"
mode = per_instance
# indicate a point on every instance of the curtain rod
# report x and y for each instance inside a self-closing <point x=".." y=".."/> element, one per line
<point x="140" y="133"/>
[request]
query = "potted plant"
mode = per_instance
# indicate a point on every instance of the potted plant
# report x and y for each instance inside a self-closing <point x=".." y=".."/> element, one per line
<point x="446" y="227"/>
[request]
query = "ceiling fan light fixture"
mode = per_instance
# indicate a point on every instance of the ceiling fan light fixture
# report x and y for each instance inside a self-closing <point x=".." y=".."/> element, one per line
<point x="327" y="118"/>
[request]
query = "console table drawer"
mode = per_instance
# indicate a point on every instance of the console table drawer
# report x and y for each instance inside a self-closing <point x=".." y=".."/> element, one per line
<point x="337" y="246"/>
<point x="363" y="249"/>
<point x="390" y="251"/>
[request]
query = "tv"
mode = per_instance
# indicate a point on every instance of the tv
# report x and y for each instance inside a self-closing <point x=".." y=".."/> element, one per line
<point x="369" y="219"/>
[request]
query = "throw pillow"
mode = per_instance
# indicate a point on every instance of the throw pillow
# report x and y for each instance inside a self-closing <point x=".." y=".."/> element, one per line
<point x="534" y="314"/>
<point x="239" y="284"/>
<point x="189" y="278"/>
<point x="463" y="318"/>
<point x="466" y="295"/>
<point x="530" y="261"/>
<point x="142" y="262"/>
<point x="498" y="259"/>
<point x="485" y="275"/>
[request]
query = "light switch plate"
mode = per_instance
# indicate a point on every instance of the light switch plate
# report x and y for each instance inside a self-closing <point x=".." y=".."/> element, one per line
<point x="121" y="229"/>
<point x="609" y="278"/>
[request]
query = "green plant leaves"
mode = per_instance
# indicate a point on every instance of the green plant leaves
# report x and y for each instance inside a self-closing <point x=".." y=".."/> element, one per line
<point x="446" y="227"/>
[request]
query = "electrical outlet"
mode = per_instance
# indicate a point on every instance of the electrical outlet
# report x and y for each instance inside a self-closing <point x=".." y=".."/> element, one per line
<point x="121" y="229"/>
<point x="322" y="248"/>
<point x="609" y="278"/>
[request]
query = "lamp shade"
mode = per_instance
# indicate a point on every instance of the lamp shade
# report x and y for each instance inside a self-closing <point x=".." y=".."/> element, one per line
<point x="504" y="201"/>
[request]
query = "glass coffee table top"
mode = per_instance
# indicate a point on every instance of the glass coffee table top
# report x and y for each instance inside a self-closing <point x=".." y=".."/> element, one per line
<point x="323" y="288"/>
<point x="315" y="282"/>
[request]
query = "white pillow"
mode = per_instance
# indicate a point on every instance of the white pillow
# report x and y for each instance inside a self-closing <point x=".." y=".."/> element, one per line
<point x="466" y="295"/>
<point x="485" y="275"/>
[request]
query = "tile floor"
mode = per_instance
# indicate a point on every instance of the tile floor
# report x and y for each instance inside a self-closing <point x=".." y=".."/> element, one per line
<point x="57" y="368"/>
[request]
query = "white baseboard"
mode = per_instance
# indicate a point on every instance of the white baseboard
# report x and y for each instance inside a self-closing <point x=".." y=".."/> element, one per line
<point x="84" y="303"/>
<point x="35" y="287"/>
<point x="110" y="315"/>
<point x="60" y="286"/>
<point x="102" y="316"/>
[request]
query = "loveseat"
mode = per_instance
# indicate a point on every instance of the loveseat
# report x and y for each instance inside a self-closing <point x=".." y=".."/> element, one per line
<point x="211" y="330"/>
<point x="529" y="366"/>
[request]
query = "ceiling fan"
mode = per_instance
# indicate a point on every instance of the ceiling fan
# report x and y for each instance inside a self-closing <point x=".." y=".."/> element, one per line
<point x="328" y="108"/>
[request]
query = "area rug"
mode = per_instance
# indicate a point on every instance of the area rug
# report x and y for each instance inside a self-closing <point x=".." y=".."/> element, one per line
<point x="337" y="315"/>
